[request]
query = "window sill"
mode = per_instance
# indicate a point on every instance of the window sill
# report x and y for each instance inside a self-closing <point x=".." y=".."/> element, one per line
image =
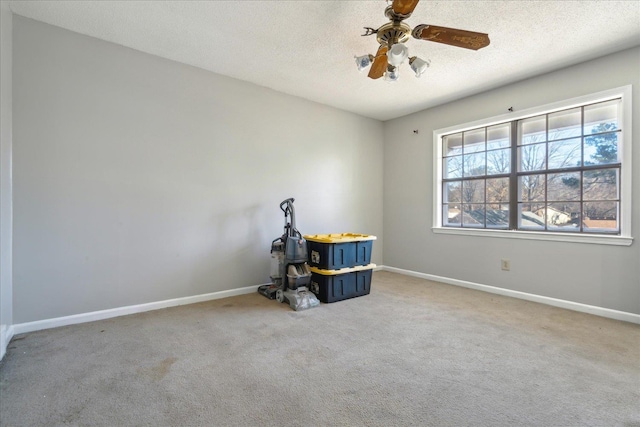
<point x="598" y="239"/>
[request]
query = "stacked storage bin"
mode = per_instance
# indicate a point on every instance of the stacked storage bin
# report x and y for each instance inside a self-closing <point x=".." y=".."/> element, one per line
<point x="340" y="265"/>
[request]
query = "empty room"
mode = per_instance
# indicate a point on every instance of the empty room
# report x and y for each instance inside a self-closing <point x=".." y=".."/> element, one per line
<point x="319" y="213"/>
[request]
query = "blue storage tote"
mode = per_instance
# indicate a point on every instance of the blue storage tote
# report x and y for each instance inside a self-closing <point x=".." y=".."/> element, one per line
<point x="336" y="251"/>
<point x="337" y="285"/>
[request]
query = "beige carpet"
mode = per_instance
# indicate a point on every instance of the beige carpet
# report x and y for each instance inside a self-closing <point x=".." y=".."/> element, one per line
<point x="412" y="353"/>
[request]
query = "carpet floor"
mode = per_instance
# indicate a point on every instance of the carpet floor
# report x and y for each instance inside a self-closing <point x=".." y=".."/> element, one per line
<point x="412" y="353"/>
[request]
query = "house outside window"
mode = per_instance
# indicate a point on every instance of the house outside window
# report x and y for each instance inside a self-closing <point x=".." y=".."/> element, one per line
<point x="558" y="172"/>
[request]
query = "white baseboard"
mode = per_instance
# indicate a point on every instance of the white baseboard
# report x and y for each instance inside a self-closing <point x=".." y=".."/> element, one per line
<point x="21" y="328"/>
<point x="6" y="333"/>
<point x="570" y="305"/>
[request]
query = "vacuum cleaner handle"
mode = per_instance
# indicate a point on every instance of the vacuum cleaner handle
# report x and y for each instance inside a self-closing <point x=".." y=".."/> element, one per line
<point x="290" y="211"/>
<point x="286" y="202"/>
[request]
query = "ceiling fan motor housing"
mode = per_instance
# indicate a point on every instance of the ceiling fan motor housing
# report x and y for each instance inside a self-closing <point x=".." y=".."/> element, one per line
<point x="393" y="32"/>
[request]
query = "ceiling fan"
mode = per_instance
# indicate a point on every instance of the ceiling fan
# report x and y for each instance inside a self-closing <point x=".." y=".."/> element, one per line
<point x="392" y="36"/>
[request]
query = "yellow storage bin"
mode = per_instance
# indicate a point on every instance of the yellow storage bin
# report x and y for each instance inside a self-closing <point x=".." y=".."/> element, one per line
<point x="336" y="251"/>
<point x="337" y="285"/>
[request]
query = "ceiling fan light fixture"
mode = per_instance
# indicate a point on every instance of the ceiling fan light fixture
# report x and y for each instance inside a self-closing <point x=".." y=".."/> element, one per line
<point x="364" y="61"/>
<point x="397" y="54"/>
<point x="419" y="66"/>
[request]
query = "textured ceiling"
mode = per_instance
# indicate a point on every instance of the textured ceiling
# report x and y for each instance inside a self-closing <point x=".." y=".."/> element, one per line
<point x="306" y="48"/>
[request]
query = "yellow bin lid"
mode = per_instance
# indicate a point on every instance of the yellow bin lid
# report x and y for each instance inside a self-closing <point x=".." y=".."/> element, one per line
<point x="342" y="270"/>
<point x="338" y="238"/>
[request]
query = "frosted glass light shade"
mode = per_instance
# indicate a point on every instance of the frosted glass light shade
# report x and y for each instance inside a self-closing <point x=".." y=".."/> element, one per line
<point x="397" y="54"/>
<point x="392" y="75"/>
<point x="363" y="62"/>
<point x="419" y="66"/>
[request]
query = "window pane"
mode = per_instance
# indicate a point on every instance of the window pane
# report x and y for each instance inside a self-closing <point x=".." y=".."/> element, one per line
<point x="497" y="216"/>
<point x="498" y="136"/>
<point x="563" y="216"/>
<point x="532" y="157"/>
<point x="498" y="161"/>
<point x="453" y="167"/>
<point x="451" y="215"/>
<point x="473" y="191"/>
<point x="532" y="188"/>
<point x="452" y="145"/>
<point x="565" y="154"/>
<point x="474" y="164"/>
<point x="532" y="130"/>
<point x="474" y="141"/>
<point x="600" y="217"/>
<point x="531" y="216"/>
<point x="452" y="192"/>
<point x="565" y="124"/>
<point x="600" y="184"/>
<point x="473" y="216"/>
<point x="498" y="190"/>
<point x="563" y="186"/>
<point x="601" y="149"/>
<point x="601" y="117"/>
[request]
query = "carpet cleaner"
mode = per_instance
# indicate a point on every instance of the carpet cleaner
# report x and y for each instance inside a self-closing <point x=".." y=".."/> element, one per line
<point x="290" y="273"/>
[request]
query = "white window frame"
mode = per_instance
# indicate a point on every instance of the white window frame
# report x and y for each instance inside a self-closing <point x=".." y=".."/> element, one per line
<point x="623" y="239"/>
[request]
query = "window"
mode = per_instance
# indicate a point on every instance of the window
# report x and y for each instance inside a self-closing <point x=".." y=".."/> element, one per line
<point x="555" y="172"/>
<point x="477" y="167"/>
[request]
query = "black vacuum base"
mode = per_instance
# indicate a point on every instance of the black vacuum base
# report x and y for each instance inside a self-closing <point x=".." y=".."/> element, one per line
<point x="268" y="291"/>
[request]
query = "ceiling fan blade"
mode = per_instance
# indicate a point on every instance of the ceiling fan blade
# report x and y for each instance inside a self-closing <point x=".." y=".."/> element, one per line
<point x="451" y="36"/>
<point x="379" y="65"/>
<point x="404" y="7"/>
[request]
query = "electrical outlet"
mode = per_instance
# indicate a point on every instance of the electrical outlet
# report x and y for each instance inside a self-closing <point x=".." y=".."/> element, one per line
<point x="505" y="264"/>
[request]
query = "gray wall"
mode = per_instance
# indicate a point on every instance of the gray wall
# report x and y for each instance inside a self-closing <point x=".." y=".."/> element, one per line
<point x="6" y="227"/>
<point x="138" y="179"/>
<point x="604" y="276"/>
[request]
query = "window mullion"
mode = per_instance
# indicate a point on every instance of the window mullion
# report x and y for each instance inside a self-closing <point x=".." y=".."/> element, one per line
<point x="513" y="177"/>
<point x="581" y="218"/>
